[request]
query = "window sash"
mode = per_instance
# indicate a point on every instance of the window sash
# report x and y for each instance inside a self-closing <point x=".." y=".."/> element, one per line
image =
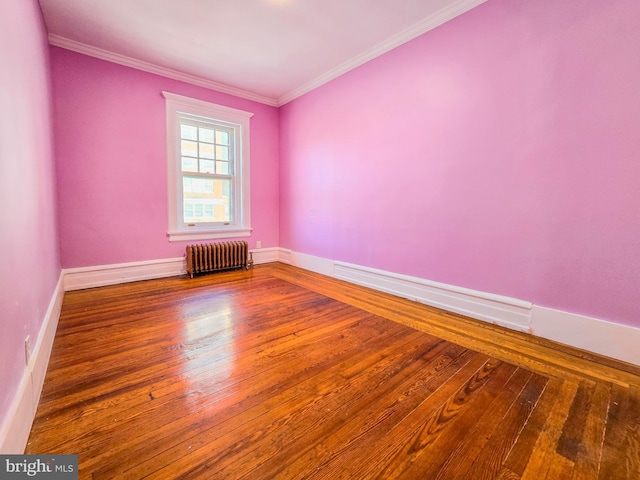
<point x="225" y="214"/>
<point x="222" y="127"/>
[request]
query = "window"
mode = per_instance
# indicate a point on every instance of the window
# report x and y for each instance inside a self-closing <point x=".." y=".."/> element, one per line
<point x="208" y="169"/>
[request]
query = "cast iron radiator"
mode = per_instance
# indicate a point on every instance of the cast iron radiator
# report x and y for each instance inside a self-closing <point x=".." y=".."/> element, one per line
<point x="214" y="257"/>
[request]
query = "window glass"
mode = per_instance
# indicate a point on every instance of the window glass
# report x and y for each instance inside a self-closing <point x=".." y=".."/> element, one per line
<point x="208" y="167"/>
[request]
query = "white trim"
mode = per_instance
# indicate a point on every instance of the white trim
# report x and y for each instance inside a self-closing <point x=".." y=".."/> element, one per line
<point x="62" y="42"/>
<point x="432" y="21"/>
<point x="185" y="236"/>
<point x="436" y="19"/>
<point x="606" y="338"/>
<point x="15" y="429"/>
<point x="205" y="108"/>
<point x="285" y="256"/>
<point x="500" y="310"/>
<point x="591" y="334"/>
<point x="310" y="262"/>
<point x="42" y="348"/>
<point x="265" y="255"/>
<point x="600" y="336"/>
<point x="238" y="121"/>
<point x="101" y="275"/>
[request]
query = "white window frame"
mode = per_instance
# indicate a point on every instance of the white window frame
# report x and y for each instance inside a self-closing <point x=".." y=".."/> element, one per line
<point x="177" y="105"/>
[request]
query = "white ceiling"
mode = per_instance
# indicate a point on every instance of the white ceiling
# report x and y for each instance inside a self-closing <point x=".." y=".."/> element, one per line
<point x="267" y="50"/>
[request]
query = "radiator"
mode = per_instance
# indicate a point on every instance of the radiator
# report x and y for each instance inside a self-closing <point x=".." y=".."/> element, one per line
<point x="214" y="257"/>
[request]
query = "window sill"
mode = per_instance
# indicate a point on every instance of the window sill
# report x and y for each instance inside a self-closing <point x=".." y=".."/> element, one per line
<point x="208" y="235"/>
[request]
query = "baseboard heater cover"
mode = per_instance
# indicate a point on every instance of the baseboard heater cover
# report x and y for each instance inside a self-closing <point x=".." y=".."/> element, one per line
<point x="216" y="257"/>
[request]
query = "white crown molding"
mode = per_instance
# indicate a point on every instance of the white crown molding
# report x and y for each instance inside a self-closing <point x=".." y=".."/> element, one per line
<point x="429" y="23"/>
<point x="66" y="43"/>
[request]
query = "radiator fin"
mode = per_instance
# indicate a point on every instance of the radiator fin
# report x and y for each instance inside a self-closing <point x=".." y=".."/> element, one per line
<point x="214" y="257"/>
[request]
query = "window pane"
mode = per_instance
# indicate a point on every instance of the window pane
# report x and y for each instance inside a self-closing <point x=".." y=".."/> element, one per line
<point x="202" y="198"/>
<point x="222" y="153"/>
<point x="222" y="192"/>
<point x="188" y="132"/>
<point x="206" y="200"/>
<point x="206" y="177"/>
<point x="222" y="138"/>
<point x="199" y="211"/>
<point x="206" y="150"/>
<point x="188" y="210"/>
<point x="196" y="185"/>
<point x="207" y="166"/>
<point x="188" y="148"/>
<point x="189" y="164"/>
<point x="187" y="185"/>
<point x="222" y="168"/>
<point x="206" y="134"/>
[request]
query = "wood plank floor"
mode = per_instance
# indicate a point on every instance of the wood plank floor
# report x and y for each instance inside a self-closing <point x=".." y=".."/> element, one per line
<point x="282" y="373"/>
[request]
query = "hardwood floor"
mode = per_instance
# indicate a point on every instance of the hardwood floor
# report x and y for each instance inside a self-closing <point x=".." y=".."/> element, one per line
<point x="282" y="373"/>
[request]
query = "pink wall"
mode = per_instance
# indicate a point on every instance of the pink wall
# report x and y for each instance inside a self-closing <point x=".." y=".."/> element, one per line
<point x="498" y="152"/>
<point x="29" y="263"/>
<point x="111" y="161"/>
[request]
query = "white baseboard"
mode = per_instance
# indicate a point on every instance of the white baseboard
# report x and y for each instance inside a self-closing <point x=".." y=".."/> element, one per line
<point x="265" y="255"/>
<point x="16" y="426"/>
<point x="101" y="275"/>
<point x="587" y="333"/>
<point x="285" y="256"/>
<point x="505" y="311"/>
<point x="599" y="336"/>
<point x="595" y="335"/>
<point x="42" y="348"/>
<point x="14" y="431"/>
<point x="308" y="262"/>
